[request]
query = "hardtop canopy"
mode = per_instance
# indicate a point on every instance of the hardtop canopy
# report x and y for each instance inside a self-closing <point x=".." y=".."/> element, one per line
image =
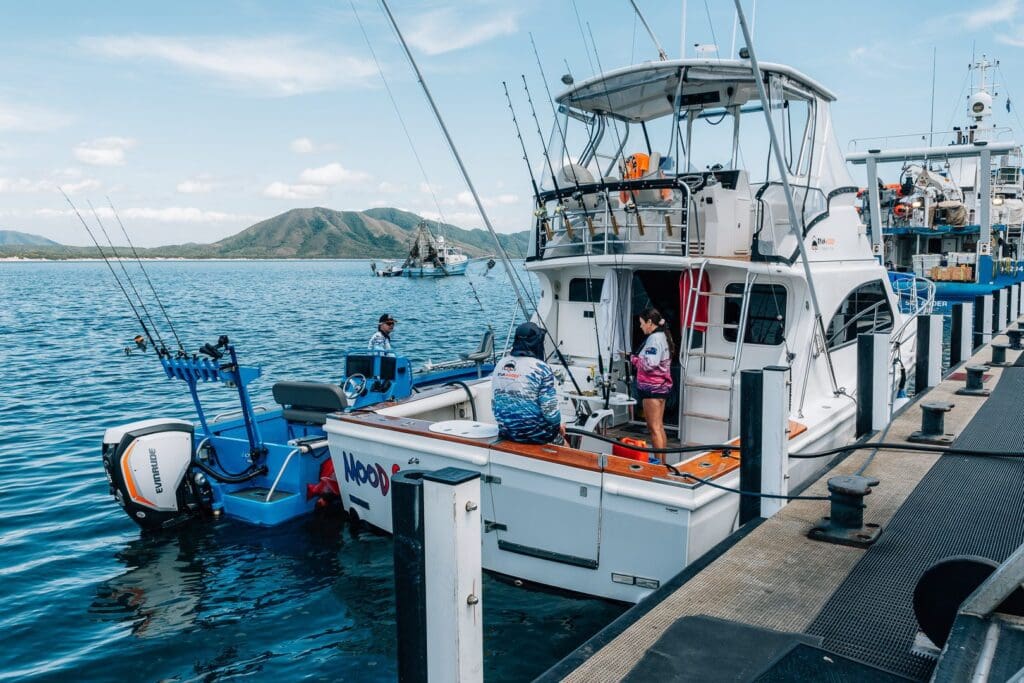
<point x="642" y="92"/>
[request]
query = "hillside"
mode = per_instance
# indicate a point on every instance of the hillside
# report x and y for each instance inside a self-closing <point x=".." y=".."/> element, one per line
<point x="309" y="233"/>
<point x="15" y="238"/>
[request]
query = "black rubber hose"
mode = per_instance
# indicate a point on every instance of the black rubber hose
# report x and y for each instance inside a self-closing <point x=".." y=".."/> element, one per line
<point x="226" y="479"/>
<point x="469" y="393"/>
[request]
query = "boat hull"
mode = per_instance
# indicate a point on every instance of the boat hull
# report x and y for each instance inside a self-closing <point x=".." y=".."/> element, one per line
<point x="583" y="530"/>
<point x="429" y="271"/>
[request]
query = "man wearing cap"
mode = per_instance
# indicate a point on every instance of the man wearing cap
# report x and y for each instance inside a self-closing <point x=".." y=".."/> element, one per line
<point x="524" y="401"/>
<point x="381" y="339"/>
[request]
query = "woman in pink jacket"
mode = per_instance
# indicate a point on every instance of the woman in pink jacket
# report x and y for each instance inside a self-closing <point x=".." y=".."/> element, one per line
<point x="654" y="373"/>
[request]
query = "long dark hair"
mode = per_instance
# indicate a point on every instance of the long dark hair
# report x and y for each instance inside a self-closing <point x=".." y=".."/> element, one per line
<point x="652" y="315"/>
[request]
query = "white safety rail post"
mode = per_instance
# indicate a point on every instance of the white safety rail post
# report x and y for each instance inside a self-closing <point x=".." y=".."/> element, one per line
<point x="961" y="333"/>
<point x="1014" y="302"/>
<point x="982" y="320"/>
<point x="1001" y="312"/>
<point x="775" y="438"/>
<point x="928" y="368"/>
<point x="873" y="386"/>
<point x="451" y="540"/>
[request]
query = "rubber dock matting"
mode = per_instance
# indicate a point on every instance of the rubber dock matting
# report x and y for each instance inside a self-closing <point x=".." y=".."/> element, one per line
<point x="962" y="506"/>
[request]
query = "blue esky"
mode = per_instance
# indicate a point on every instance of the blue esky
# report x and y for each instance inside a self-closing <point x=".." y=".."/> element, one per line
<point x="199" y="119"/>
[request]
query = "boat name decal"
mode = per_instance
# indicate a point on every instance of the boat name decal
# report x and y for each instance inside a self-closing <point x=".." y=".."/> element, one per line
<point x="373" y="474"/>
<point x="157" y="481"/>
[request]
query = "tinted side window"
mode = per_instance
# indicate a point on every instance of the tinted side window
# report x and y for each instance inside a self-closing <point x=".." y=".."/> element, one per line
<point x="585" y="289"/>
<point x="866" y="310"/>
<point x="766" y="314"/>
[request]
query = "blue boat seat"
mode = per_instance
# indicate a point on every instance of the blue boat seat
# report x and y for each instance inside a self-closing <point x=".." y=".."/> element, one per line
<point x="309" y="402"/>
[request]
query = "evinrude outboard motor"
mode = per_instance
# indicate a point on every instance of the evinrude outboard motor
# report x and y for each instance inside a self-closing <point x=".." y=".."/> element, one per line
<point x="147" y="465"/>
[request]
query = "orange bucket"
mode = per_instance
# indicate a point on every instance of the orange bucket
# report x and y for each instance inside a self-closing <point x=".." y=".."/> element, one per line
<point x="625" y="452"/>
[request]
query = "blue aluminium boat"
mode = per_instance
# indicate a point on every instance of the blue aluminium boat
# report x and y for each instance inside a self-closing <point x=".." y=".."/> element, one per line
<point x="262" y="466"/>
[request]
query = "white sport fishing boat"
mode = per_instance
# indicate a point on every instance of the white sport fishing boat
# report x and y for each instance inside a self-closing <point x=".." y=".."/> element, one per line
<point x="715" y="251"/>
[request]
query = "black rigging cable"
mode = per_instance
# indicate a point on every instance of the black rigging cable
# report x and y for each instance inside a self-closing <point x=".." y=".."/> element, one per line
<point x="112" y="271"/>
<point x="146" y="274"/>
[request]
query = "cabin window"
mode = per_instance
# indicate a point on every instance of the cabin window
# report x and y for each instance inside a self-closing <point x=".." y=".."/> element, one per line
<point x="587" y="290"/>
<point x="865" y="311"/>
<point x="766" y="314"/>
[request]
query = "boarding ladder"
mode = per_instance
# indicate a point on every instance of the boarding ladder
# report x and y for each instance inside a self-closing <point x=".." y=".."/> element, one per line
<point x="694" y="375"/>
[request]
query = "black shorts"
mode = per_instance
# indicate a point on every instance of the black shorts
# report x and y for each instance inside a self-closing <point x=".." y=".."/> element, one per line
<point x="639" y="394"/>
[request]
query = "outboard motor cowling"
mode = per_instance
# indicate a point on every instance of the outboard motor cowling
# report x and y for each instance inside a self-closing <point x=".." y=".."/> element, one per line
<point x="147" y="465"/>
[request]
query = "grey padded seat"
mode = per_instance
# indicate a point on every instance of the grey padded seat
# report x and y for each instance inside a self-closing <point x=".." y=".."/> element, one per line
<point x="309" y="402"/>
<point x="482" y="354"/>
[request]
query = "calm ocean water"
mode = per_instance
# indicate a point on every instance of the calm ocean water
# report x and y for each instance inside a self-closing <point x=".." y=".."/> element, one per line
<point x="83" y="595"/>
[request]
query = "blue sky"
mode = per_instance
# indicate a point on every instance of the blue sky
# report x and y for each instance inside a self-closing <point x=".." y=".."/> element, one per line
<point x="199" y="119"/>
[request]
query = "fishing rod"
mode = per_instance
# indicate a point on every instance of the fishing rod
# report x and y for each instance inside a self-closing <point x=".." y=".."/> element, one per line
<point x="151" y="287"/>
<point x="547" y="157"/>
<point x="661" y="53"/>
<point x="578" y="196"/>
<point x="540" y="212"/>
<point x="113" y="250"/>
<point x="506" y="262"/>
<point x="112" y="271"/>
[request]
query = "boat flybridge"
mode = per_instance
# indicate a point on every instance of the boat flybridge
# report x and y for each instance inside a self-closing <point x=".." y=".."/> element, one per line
<point x="659" y="199"/>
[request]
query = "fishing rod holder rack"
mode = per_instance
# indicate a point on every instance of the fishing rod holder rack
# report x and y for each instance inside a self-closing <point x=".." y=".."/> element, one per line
<point x="195" y="369"/>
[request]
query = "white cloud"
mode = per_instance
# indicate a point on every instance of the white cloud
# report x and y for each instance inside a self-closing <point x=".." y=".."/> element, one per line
<point x="280" y="190"/>
<point x="24" y="185"/>
<point x="272" y="66"/>
<point x="29" y="119"/>
<point x="27" y="186"/>
<point x="200" y="185"/>
<point x="332" y="174"/>
<point x="432" y="187"/>
<point x="302" y="146"/>
<point x="171" y="214"/>
<point x="858" y="52"/>
<point x="465" y="198"/>
<point x="442" y="30"/>
<point x="507" y="199"/>
<point x="389" y="188"/>
<point x="104" y="151"/>
<point x="1004" y="10"/>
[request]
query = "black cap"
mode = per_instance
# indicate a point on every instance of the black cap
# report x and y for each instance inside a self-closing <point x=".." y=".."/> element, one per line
<point x="386" y="318"/>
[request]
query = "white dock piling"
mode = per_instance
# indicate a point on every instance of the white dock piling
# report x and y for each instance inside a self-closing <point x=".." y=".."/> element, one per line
<point x="774" y="439"/>
<point x="872" y="382"/>
<point x="928" y="371"/>
<point x="960" y="336"/>
<point x="451" y="539"/>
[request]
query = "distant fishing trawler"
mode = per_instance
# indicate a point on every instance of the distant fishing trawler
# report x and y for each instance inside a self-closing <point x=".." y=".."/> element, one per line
<point x="430" y="256"/>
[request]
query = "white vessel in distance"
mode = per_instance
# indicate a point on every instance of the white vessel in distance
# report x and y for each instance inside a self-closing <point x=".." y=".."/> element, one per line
<point x="665" y="202"/>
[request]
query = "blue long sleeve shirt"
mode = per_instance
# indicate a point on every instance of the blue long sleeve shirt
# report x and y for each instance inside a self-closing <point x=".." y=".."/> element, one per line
<point x="524" y="400"/>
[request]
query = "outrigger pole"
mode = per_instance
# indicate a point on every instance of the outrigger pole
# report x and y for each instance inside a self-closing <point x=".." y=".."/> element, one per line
<point x="784" y="174"/>
<point x="506" y="262"/>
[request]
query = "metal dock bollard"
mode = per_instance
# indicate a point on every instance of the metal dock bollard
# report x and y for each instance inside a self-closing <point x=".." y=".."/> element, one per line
<point x="998" y="353"/>
<point x="845" y="523"/>
<point x="933" y="426"/>
<point x="975" y="381"/>
<point x="1015" y="337"/>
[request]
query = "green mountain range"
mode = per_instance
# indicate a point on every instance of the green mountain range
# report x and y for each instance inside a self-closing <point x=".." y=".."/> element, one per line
<point x="24" y="239"/>
<point x="301" y="233"/>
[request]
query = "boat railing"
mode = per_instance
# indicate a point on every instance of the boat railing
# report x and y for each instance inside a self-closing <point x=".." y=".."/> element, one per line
<point x="594" y="219"/>
<point x="922" y="138"/>
<point x="915" y="294"/>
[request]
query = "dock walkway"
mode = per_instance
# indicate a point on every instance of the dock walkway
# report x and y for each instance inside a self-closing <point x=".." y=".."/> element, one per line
<point x="774" y="582"/>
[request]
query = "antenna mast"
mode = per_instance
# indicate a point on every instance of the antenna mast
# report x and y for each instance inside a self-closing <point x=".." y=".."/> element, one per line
<point x="661" y="53"/>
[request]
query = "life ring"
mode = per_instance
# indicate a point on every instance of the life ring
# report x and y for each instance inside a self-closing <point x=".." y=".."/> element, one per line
<point x="693" y="307"/>
<point x="901" y="210"/>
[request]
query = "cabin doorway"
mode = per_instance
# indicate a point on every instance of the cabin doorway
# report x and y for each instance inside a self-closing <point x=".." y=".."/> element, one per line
<point x="658" y="289"/>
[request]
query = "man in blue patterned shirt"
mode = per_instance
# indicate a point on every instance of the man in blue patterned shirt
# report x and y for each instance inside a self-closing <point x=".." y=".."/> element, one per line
<point x="524" y="401"/>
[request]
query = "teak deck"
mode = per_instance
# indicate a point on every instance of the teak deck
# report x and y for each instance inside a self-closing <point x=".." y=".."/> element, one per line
<point x="709" y="465"/>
